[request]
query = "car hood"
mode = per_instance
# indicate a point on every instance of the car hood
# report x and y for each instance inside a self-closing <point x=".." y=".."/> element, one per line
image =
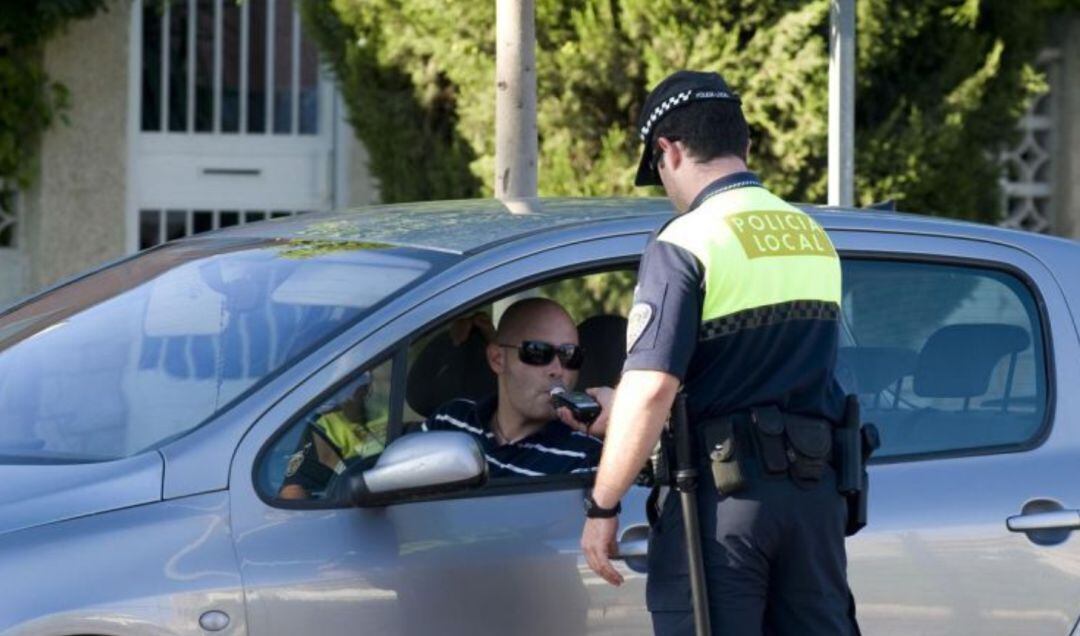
<point x="34" y="495"/>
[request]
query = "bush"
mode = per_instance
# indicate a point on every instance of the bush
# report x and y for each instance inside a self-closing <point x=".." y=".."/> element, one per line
<point x="940" y="88"/>
<point x="29" y="100"/>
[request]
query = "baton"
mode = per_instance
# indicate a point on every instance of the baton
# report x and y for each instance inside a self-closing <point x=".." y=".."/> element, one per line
<point x="686" y="483"/>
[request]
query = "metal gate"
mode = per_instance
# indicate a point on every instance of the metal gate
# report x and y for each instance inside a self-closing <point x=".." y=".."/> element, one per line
<point x="234" y="121"/>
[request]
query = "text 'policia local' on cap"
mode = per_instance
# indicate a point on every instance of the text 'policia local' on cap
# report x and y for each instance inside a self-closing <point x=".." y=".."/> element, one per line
<point x="678" y="89"/>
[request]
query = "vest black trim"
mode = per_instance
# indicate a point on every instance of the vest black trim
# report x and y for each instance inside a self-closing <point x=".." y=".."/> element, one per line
<point x="768" y="315"/>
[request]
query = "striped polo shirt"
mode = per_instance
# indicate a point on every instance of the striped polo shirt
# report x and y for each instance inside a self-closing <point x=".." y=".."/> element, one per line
<point x="556" y="449"/>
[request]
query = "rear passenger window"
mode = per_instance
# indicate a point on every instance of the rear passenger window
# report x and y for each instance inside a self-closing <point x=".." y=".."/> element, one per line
<point x="944" y="358"/>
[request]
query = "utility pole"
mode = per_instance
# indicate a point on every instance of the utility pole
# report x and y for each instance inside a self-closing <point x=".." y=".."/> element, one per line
<point x="842" y="102"/>
<point x="515" y="115"/>
<point x="515" y="99"/>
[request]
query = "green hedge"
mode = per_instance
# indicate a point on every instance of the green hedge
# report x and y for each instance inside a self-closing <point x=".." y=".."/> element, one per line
<point x="940" y="87"/>
<point x="29" y="100"/>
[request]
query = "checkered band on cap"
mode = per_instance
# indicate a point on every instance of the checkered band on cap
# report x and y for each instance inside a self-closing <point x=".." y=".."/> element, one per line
<point x="678" y="99"/>
<point x="768" y="315"/>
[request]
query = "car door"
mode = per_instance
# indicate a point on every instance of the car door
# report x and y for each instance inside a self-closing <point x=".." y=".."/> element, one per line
<point x="964" y="356"/>
<point x="495" y="560"/>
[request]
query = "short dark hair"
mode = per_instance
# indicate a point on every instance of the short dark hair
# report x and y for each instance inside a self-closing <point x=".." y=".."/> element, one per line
<point x="709" y="129"/>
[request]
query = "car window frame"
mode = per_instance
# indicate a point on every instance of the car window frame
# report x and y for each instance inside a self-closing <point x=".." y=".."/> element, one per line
<point x="397" y="350"/>
<point x="618" y="251"/>
<point x="397" y="356"/>
<point x="493" y="272"/>
<point x="510" y="484"/>
<point x="1042" y="433"/>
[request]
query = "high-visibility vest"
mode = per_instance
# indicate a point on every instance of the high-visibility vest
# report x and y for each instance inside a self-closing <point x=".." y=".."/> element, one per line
<point x="765" y="261"/>
<point x="350" y="439"/>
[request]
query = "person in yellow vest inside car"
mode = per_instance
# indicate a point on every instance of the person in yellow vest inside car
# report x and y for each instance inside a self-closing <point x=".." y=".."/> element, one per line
<point x="334" y="437"/>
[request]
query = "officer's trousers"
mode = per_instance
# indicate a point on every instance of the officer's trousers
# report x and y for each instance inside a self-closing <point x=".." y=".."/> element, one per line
<point x="774" y="561"/>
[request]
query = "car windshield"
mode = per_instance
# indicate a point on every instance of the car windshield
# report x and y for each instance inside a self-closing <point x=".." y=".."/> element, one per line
<point x="145" y="350"/>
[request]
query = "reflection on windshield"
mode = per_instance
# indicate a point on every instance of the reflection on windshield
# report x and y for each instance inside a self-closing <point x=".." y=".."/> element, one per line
<point x="147" y="349"/>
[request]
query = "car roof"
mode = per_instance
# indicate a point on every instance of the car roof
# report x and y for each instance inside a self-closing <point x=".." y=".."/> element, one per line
<point x="462" y="226"/>
<point x="472" y="225"/>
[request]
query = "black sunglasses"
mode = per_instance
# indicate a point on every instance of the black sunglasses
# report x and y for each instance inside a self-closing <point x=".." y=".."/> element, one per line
<point x="538" y="353"/>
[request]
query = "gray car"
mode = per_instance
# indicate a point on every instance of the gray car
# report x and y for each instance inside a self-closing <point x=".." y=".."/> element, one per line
<point x="155" y="415"/>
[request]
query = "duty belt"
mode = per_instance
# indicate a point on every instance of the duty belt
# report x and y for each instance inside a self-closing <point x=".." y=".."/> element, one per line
<point x="778" y="444"/>
<point x="767" y="443"/>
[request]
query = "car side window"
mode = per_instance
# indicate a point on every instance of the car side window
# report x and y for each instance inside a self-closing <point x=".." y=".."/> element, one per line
<point x="348" y="427"/>
<point x="945" y="358"/>
<point x="451" y="385"/>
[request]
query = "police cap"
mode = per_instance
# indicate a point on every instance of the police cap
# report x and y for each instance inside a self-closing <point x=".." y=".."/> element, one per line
<point x="678" y="89"/>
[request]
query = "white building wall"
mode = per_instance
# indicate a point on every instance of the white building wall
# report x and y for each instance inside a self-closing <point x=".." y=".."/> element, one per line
<point x="361" y="187"/>
<point x="74" y="215"/>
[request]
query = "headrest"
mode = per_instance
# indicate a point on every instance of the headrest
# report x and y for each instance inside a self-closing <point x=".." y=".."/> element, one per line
<point x="604" y="339"/>
<point x="444" y="371"/>
<point x="957" y="360"/>
<point x="876" y="368"/>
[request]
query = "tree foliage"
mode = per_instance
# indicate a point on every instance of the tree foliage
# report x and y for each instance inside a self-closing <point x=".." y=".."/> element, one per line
<point x="29" y="100"/>
<point x="940" y="87"/>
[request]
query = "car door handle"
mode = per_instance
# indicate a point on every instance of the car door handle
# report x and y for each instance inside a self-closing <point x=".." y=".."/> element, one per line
<point x="631" y="549"/>
<point x="1054" y="520"/>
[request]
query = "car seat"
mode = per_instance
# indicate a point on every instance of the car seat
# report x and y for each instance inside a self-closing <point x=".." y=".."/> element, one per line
<point x="877" y="368"/>
<point x="603" y="337"/>
<point x="444" y="371"/>
<point x="958" y="361"/>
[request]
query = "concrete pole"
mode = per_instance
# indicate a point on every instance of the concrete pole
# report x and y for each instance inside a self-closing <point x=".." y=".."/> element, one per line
<point x="515" y="99"/>
<point x="842" y="102"/>
<point x="515" y="115"/>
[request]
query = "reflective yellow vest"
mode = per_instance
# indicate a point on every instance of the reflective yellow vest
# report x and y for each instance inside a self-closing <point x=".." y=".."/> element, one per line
<point x="351" y="440"/>
<point x="758" y="252"/>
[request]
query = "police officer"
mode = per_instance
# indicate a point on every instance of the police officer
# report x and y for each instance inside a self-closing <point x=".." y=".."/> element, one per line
<point x="335" y="436"/>
<point x="737" y="302"/>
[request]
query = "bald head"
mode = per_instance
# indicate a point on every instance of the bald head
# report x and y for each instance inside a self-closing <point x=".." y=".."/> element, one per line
<point x="521" y="317"/>
<point x="524" y="387"/>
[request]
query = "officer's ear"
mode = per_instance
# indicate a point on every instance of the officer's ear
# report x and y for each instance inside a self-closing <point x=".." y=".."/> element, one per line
<point x="672" y="153"/>
<point x="746" y="154"/>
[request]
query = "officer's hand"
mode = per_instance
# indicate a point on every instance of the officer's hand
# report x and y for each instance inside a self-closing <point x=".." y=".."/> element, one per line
<point x="603" y="395"/>
<point x="598" y="544"/>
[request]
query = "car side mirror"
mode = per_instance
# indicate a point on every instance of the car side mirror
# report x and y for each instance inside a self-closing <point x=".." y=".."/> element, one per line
<point x="419" y="465"/>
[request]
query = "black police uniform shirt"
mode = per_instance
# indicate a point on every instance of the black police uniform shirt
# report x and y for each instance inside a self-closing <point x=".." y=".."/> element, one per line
<point x="788" y="363"/>
<point x="304" y="468"/>
<point x="556" y="449"/>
